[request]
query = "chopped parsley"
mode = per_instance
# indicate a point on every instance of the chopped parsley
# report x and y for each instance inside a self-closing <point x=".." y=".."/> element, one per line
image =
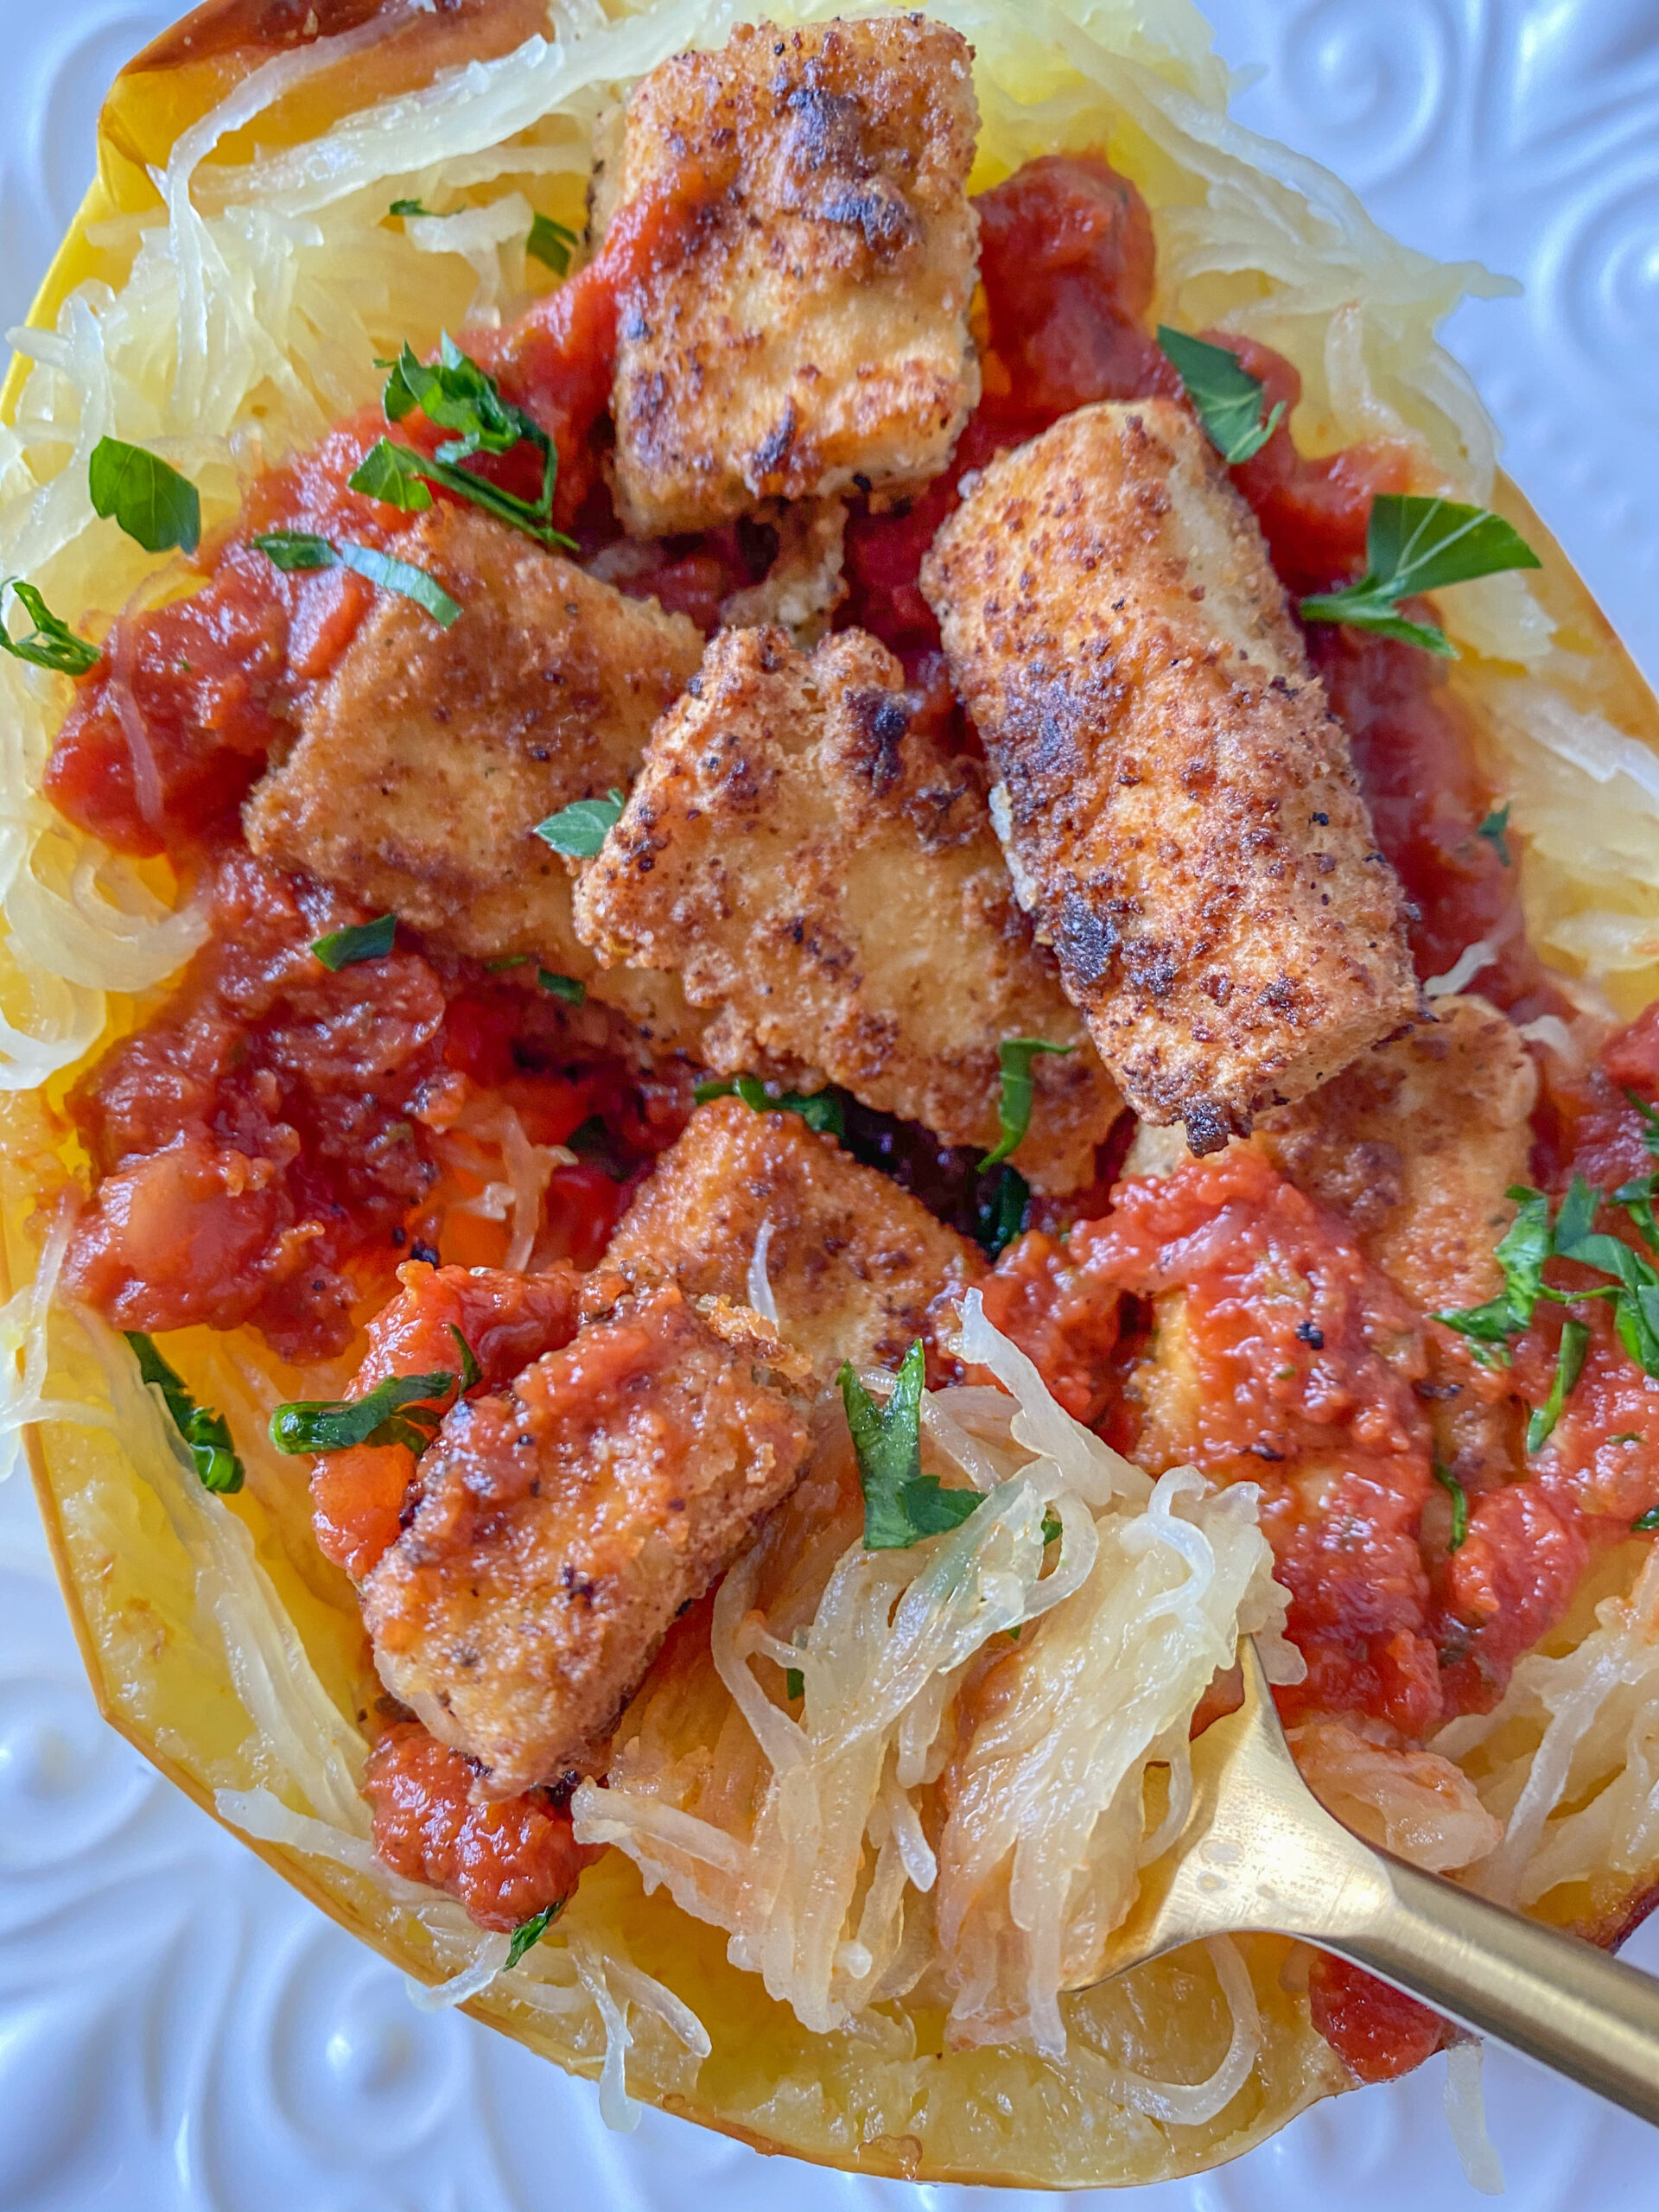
<point x="358" y="941"/>
<point x="507" y="960"/>
<point x="529" y="1933"/>
<point x="302" y="549"/>
<point x="1569" y="1365"/>
<point x="1227" y="397"/>
<point x="206" y="1432"/>
<point x="471" y="1373"/>
<point x="1415" y="545"/>
<point x="794" y="1684"/>
<point x="901" y="1504"/>
<point x="455" y="394"/>
<point x="1015" y="1055"/>
<point x="1521" y="1253"/>
<point x="1645" y="1523"/>
<point x="396" y="1411"/>
<point x="579" y="829"/>
<point x="1649" y="1122"/>
<point x="51" y="644"/>
<point x="1495" y="831"/>
<point x="150" y="501"/>
<point x="562" y="987"/>
<point x="408" y="207"/>
<point x="1052" y="1530"/>
<point x="552" y="245"/>
<point x="822" y="1110"/>
<point x="1459" y="1498"/>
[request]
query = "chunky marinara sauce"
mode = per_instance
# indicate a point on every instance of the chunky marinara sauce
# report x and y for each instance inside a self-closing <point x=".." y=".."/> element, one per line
<point x="272" y="1146"/>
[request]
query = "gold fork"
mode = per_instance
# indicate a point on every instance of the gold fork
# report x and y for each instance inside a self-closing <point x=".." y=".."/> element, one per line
<point x="1260" y="1853"/>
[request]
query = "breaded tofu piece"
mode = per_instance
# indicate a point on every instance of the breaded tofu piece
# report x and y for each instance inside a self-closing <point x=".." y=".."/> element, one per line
<point x="561" y="1524"/>
<point x="811" y="862"/>
<point x="810" y="334"/>
<point x="852" y="1260"/>
<point x="427" y="758"/>
<point x="1417" y="1145"/>
<point x="1176" y="800"/>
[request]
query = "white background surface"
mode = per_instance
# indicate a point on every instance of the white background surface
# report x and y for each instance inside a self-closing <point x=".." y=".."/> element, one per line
<point x="177" y="2031"/>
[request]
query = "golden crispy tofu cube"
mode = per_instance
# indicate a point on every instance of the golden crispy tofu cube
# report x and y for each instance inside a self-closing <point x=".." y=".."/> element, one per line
<point x="812" y="333"/>
<point x="427" y="758"/>
<point x="1176" y="800"/>
<point x="813" y="864"/>
<point x="853" y="1261"/>
<point x="561" y="1524"/>
<point x="1417" y="1144"/>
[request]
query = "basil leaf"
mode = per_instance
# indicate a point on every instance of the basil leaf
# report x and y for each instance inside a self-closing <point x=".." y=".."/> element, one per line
<point x="550" y="244"/>
<point x="824" y="1110"/>
<point x="901" y="1504"/>
<point x="1494" y="829"/>
<point x="356" y="941"/>
<point x="1569" y="1365"/>
<point x="1636" y="1198"/>
<point x="395" y="1411"/>
<point x="529" y="1933"/>
<point x="1227" y="397"/>
<point x="150" y="501"/>
<point x="794" y="1684"/>
<point x="1001" y="1216"/>
<point x="289" y="549"/>
<point x="455" y="393"/>
<point x="579" y="831"/>
<point x="408" y="207"/>
<point x="205" y="1432"/>
<point x="562" y="987"/>
<point x="1413" y="545"/>
<point x="393" y="474"/>
<point x="471" y="1373"/>
<point x="1459" y="1498"/>
<point x="51" y="644"/>
<point x="1015" y="1055"/>
<point x="1521" y="1252"/>
<point x="403" y="577"/>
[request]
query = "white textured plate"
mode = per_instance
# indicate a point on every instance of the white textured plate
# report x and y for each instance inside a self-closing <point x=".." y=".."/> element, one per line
<point x="178" y="2031"/>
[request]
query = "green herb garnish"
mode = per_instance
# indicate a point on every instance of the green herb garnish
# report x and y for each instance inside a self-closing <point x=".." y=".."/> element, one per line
<point x="1053" y="1528"/>
<point x="358" y="941"/>
<point x="51" y="644"/>
<point x="1569" y="1365"/>
<point x="1645" y="1523"/>
<point x="1227" y="396"/>
<point x="901" y="1504"/>
<point x="408" y="207"/>
<point x="300" y="549"/>
<point x="1459" y="1498"/>
<point x="550" y="244"/>
<point x="579" y="829"/>
<point x="1000" y="1213"/>
<point x="455" y="394"/>
<point x="206" y="1432"/>
<point x="1649" y="1122"/>
<point x="396" y="1411"/>
<point x="507" y="960"/>
<point x="1494" y="830"/>
<point x="1521" y="1253"/>
<point x="1412" y="545"/>
<point x="1013" y="1107"/>
<point x="794" y="1684"/>
<point x="562" y="987"/>
<point x="150" y="500"/>
<point x="529" y="1933"/>
<point x="471" y="1373"/>
<point x="822" y="1110"/>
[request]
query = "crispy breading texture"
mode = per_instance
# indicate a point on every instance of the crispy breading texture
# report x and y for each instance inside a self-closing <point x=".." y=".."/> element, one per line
<point x="427" y="760"/>
<point x="853" y="1261"/>
<point x="808" y="858"/>
<point x="1176" y="801"/>
<point x="1417" y="1144"/>
<point x="813" y="332"/>
<point x="562" y="1525"/>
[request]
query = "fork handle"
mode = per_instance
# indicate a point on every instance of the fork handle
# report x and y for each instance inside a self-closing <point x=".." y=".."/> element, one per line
<point x="1552" y="1996"/>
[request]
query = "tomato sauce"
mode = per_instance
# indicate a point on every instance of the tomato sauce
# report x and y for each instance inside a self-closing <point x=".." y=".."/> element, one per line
<point x="506" y="1860"/>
